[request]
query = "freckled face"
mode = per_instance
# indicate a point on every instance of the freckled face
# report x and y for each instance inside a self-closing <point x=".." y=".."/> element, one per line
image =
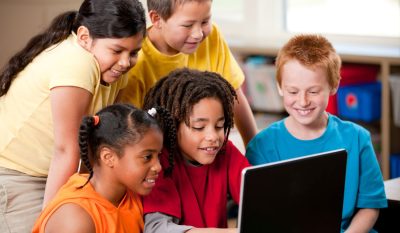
<point x="305" y="92"/>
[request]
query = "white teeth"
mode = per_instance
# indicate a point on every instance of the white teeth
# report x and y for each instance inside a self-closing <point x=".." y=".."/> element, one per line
<point x="150" y="180"/>
<point x="209" y="148"/>
<point x="304" y="112"/>
<point x="116" y="72"/>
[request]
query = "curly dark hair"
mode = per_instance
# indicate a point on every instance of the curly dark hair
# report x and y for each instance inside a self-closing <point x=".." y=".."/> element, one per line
<point x="181" y="89"/>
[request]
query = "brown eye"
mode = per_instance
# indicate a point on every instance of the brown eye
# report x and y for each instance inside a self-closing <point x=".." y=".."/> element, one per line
<point x="148" y="157"/>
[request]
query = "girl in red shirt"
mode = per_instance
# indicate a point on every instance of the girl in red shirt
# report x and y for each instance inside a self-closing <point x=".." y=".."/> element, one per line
<point x="191" y="194"/>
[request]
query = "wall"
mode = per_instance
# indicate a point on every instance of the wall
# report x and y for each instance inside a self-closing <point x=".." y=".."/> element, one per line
<point x="22" y="19"/>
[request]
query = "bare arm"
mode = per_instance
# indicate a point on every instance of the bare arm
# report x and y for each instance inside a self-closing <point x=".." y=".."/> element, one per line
<point x="68" y="106"/>
<point x="70" y="218"/>
<point x="363" y="221"/>
<point x="244" y="118"/>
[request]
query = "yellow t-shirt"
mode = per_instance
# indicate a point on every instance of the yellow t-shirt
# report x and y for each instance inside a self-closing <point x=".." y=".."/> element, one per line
<point x="213" y="54"/>
<point x="26" y="125"/>
<point x="107" y="218"/>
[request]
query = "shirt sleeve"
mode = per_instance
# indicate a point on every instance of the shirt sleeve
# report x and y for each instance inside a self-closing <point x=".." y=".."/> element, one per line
<point x="224" y="60"/>
<point x="162" y="223"/>
<point x="258" y="149"/>
<point x="371" y="190"/>
<point x="70" y="65"/>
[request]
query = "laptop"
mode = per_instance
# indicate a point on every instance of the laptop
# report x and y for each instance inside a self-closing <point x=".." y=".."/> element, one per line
<point x="304" y="194"/>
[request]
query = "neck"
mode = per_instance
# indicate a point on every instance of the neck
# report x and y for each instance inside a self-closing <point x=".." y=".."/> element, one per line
<point x="107" y="188"/>
<point x="307" y="132"/>
<point x="193" y="163"/>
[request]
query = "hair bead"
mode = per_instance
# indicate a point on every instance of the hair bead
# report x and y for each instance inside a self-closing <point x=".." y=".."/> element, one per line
<point x="96" y="120"/>
<point x="152" y="112"/>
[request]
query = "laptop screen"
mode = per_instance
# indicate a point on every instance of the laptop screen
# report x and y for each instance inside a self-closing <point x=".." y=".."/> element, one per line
<point x="304" y="194"/>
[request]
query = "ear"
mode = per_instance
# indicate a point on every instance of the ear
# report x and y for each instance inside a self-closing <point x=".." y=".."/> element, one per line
<point x="84" y="38"/>
<point x="334" y="89"/>
<point x="155" y="19"/>
<point x="279" y="89"/>
<point x="107" y="157"/>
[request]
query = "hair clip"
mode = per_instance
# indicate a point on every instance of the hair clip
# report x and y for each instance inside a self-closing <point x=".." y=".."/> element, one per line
<point x="96" y="119"/>
<point x="152" y="112"/>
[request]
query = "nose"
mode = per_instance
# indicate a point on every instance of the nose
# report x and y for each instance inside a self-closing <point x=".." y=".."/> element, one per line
<point x="303" y="99"/>
<point x="197" y="33"/>
<point x="125" y="62"/>
<point x="211" y="135"/>
<point x="156" y="167"/>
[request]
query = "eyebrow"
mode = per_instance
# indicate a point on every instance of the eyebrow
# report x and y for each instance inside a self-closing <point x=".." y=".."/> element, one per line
<point x="145" y="151"/>
<point x="296" y="87"/>
<point x="192" y="21"/>
<point x="206" y="119"/>
<point x="118" y="46"/>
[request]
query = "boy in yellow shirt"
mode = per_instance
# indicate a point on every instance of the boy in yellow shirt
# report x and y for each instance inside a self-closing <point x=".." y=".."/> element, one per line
<point x="182" y="35"/>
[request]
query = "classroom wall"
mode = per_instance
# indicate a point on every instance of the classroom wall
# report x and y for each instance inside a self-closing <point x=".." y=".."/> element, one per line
<point x="21" y="19"/>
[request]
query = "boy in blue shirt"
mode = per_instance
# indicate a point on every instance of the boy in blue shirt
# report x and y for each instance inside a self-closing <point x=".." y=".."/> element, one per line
<point x="308" y="72"/>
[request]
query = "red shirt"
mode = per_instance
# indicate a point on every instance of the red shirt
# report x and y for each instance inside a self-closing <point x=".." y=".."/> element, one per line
<point x="198" y="195"/>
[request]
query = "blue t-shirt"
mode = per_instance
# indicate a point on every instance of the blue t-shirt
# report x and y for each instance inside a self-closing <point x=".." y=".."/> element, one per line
<point x="364" y="186"/>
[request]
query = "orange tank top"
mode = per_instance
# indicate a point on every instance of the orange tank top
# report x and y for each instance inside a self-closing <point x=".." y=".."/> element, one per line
<point x="107" y="218"/>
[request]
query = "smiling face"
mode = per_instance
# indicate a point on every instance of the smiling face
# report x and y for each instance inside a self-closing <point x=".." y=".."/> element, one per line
<point x="305" y="92"/>
<point x="201" y="140"/>
<point x="116" y="55"/>
<point x="139" y="165"/>
<point x="183" y="32"/>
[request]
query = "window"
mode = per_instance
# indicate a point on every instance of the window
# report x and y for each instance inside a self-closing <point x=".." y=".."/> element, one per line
<point x="272" y="22"/>
<point x="378" y="18"/>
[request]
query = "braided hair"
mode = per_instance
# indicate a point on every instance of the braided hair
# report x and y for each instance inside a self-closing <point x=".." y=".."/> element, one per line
<point x="166" y="122"/>
<point x="181" y="89"/>
<point x="117" y="126"/>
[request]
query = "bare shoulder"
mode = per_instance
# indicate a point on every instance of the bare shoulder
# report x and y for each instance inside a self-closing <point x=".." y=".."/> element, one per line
<point x="70" y="218"/>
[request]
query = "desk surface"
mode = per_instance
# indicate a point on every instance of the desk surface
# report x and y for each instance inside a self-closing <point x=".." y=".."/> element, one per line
<point x="392" y="189"/>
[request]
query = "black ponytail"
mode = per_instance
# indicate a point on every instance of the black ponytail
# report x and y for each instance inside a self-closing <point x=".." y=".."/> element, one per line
<point x="85" y="132"/>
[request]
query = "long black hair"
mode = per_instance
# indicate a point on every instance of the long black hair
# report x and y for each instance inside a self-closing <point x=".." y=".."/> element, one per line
<point x="103" y="18"/>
